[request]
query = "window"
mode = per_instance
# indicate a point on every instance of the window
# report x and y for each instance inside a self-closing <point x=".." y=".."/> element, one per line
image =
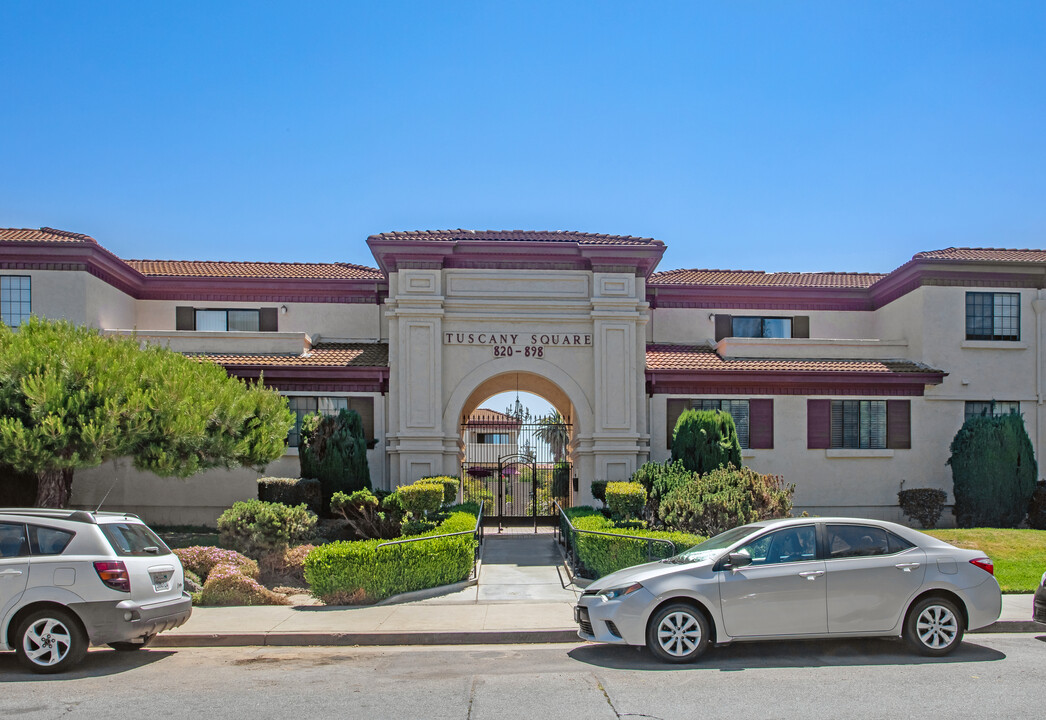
<point x="754" y="418"/>
<point x="133" y="540"/>
<point x="15" y="299"/>
<point x="493" y="438"/>
<point x="762" y="327"/>
<point x="225" y="320"/>
<point x="330" y="405"/>
<point x="13" y="542"/>
<point x="859" y="424"/>
<point x="48" y="541"/>
<point x="862" y="540"/>
<point x="994" y="408"/>
<point x="794" y="544"/>
<point x="993" y="316"/>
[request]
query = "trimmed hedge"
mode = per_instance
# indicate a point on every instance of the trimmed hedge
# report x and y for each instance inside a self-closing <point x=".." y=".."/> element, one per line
<point x="256" y="528"/>
<point x="227" y="585"/>
<point x="291" y="491"/>
<point x="200" y="559"/>
<point x="450" y="486"/>
<point x="601" y="555"/>
<point x="923" y="504"/>
<point x="599" y="491"/>
<point x="361" y="573"/>
<point x="421" y="498"/>
<point x="625" y="500"/>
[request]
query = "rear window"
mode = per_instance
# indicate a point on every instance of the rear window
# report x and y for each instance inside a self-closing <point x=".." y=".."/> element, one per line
<point x="48" y="541"/>
<point x="134" y="540"/>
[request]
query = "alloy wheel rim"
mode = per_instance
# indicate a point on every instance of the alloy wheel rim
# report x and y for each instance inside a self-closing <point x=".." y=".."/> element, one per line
<point x="47" y="642"/>
<point x="937" y="627"/>
<point x="678" y="634"/>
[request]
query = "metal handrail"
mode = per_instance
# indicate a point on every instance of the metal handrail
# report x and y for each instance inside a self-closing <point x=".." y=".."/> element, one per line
<point x="477" y="531"/>
<point x="575" y="562"/>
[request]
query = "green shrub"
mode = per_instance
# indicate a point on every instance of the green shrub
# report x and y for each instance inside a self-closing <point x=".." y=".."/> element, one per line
<point x="360" y="572"/>
<point x="421" y="498"/>
<point x="256" y="528"/>
<point x="450" y="486"/>
<point x="659" y="479"/>
<point x="923" y="504"/>
<point x="705" y="440"/>
<point x="725" y="498"/>
<point x="600" y="555"/>
<point x="1037" y="507"/>
<point x="599" y="490"/>
<point x="291" y="491"/>
<point x="625" y="500"/>
<point x="560" y="481"/>
<point x="199" y="560"/>
<point x="227" y="585"/>
<point x="993" y="471"/>
<point x="334" y="451"/>
<point x="368" y="522"/>
<point x="475" y="490"/>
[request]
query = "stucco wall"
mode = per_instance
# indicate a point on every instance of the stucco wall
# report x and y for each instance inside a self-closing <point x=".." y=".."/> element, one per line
<point x="331" y="320"/>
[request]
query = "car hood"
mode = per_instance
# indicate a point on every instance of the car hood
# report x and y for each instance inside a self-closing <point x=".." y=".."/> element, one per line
<point x="643" y="573"/>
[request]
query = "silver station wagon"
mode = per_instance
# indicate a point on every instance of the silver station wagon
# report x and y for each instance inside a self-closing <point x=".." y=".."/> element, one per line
<point x="796" y="578"/>
<point x="70" y="579"/>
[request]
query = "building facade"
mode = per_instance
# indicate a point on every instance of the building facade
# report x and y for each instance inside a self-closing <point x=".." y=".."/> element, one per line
<point x="850" y="385"/>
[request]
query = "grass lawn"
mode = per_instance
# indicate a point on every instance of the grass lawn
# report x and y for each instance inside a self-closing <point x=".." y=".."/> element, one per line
<point x="1019" y="555"/>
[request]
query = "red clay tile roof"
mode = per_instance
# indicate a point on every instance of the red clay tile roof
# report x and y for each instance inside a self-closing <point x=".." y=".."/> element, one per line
<point x="559" y="236"/>
<point x="202" y="268"/>
<point x="321" y="355"/>
<point x="764" y="279"/>
<point x="487" y="416"/>
<point x="690" y="357"/>
<point x="983" y="255"/>
<point x="43" y="235"/>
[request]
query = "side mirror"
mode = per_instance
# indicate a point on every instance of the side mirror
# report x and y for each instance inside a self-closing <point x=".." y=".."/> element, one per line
<point x="737" y="560"/>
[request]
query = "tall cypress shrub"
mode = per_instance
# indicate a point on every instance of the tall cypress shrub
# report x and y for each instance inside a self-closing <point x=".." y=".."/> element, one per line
<point x="704" y="440"/>
<point x="334" y="451"/>
<point x="993" y="471"/>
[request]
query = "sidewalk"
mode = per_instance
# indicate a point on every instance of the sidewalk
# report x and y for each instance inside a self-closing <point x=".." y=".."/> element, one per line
<point x="523" y="596"/>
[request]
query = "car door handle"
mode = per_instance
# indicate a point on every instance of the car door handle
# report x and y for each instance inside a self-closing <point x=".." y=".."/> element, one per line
<point x="907" y="567"/>
<point x="812" y="575"/>
<point x="10" y="572"/>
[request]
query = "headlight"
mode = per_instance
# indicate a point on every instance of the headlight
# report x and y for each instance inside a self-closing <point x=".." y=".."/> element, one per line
<point x="619" y="592"/>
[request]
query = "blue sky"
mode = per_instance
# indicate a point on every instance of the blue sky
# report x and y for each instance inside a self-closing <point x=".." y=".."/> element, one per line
<point x="752" y="135"/>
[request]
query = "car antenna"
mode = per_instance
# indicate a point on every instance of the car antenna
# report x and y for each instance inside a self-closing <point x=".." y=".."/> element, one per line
<point x="105" y="496"/>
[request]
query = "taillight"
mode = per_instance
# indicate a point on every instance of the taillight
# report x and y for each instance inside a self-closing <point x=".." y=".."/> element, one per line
<point x="114" y="574"/>
<point x="984" y="564"/>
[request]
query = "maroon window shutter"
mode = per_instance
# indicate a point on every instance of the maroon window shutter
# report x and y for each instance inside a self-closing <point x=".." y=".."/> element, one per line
<point x="801" y="326"/>
<point x="761" y="424"/>
<point x="724" y="326"/>
<point x="267" y="321"/>
<point x="818" y="424"/>
<point x="675" y="409"/>
<point x="184" y="318"/>
<point x="899" y="424"/>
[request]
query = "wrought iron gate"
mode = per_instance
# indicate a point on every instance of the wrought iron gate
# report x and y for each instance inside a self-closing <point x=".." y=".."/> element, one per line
<point x="520" y="468"/>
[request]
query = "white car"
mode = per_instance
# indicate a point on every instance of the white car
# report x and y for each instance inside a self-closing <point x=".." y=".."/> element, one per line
<point x="70" y="579"/>
<point x="796" y="578"/>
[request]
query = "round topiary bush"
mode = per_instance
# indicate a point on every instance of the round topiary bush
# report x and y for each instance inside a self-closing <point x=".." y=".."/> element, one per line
<point x="257" y="528"/>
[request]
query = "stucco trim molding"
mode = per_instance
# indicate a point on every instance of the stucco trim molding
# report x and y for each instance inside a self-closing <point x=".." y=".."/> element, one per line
<point x="667" y="382"/>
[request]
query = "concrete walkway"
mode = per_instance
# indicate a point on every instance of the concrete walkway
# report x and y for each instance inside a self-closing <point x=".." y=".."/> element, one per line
<point x="523" y="596"/>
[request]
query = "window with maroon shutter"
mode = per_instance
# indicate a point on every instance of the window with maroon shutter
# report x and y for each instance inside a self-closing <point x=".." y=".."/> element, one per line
<point x="818" y="424"/>
<point x="761" y="424"/>
<point x="184" y="318"/>
<point x="899" y="424"/>
<point x="675" y="409"/>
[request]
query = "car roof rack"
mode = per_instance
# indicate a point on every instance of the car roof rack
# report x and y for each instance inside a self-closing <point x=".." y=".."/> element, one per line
<point x="84" y="516"/>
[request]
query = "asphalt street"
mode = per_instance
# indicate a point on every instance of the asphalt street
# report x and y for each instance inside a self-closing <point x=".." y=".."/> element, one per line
<point x="989" y="676"/>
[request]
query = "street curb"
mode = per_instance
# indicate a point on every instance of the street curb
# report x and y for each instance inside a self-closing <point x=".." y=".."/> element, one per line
<point x="1012" y="626"/>
<point x="475" y="637"/>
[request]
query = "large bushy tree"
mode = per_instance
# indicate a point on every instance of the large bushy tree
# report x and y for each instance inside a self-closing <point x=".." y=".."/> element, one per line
<point x="704" y="440"/>
<point x="993" y="471"/>
<point x="334" y="451"/>
<point x="72" y="398"/>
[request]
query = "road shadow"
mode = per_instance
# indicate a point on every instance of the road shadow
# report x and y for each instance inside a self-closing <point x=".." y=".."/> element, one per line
<point x="782" y="654"/>
<point x="98" y="663"/>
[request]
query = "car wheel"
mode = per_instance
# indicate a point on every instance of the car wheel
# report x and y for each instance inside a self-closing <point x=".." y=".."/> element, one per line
<point x="131" y="646"/>
<point x="50" y="641"/>
<point x="677" y="633"/>
<point x="934" y="626"/>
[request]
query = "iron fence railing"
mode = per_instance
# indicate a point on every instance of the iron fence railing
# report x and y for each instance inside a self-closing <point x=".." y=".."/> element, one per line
<point x="565" y="532"/>
<point x="477" y="532"/>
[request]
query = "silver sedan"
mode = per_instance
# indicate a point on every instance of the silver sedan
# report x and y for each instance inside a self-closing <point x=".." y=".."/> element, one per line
<point x="796" y="578"/>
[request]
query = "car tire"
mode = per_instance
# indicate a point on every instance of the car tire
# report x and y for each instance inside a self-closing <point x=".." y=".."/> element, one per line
<point x="677" y="633"/>
<point x="130" y="646"/>
<point x="50" y="641"/>
<point x="934" y="626"/>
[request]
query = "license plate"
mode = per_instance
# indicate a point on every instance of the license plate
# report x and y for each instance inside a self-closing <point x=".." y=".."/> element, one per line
<point x="161" y="581"/>
<point x="162" y="587"/>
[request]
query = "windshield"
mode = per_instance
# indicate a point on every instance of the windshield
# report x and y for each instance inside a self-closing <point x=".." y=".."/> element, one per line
<point x="711" y="547"/>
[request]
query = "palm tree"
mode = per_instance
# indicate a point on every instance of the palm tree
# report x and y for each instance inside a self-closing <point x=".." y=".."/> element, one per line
<point x="554" y="431"/>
